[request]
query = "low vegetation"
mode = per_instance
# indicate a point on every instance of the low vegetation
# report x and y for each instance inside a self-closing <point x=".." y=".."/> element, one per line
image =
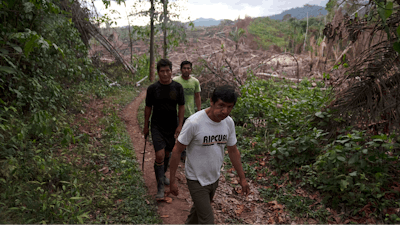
<point x="65" y="155"/>
<point x="350" y="176"/>
<point x="288" y="34"/>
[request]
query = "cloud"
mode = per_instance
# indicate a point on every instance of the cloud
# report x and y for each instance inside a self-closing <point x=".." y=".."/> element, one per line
<point x="222" y="9"/>
<point x="231" y="9"/>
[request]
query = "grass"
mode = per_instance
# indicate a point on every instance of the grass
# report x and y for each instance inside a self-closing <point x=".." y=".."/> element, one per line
<point x="140" y="115"/>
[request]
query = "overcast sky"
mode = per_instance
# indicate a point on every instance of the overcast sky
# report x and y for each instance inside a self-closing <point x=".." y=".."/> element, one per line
<point x="218" y="9"/>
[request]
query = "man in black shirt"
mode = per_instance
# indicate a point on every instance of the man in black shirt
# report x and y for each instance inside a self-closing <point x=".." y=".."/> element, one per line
<point x="162" y="98"/>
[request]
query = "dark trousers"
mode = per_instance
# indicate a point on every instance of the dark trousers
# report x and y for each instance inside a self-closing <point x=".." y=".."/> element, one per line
<point x="201" y="212"/>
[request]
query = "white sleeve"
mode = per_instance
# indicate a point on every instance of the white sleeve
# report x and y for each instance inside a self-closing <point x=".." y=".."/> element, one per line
<point x="187" y="132"/>
<point x="232" y="132"/>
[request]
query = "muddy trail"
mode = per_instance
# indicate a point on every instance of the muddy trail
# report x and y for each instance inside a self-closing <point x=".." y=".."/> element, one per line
<point x="228" y="204"/>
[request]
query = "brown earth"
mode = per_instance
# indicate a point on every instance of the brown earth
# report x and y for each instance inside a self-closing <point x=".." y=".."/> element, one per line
<point x="176" y="211"/>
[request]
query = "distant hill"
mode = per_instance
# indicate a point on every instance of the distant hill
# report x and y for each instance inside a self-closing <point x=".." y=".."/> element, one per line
<point x="205" y="22"/>
<point x="301" y="13"/>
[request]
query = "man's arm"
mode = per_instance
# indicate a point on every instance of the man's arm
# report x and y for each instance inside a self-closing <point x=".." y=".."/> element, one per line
<point x="147" y="113"/>
<point x="197" y="99"/>
<point x="181" y="113"/>
<point x="173" y="166"/>
<point x="234" y="156"/>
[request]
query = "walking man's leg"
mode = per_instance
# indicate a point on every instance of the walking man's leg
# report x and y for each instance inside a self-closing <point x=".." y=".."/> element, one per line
<point x="169" y="145"/>
<point x="166" y="163"/>
<point x="201" y="211"/>
<point x="159" y="171"/>
<point x="159" y="147"/>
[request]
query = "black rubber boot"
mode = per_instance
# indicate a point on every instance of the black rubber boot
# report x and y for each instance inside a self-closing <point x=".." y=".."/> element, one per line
<point x="159" y="171"/>
<point x="166" y="163"/>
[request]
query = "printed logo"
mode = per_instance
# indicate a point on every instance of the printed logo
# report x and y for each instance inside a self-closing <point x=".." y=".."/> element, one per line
<point x="188" y="91"/>
<point x="218" y="139"/>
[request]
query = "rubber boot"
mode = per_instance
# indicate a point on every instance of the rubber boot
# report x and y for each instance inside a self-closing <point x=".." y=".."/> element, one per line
<point x="166" y="163"/>
<point x="159" y="171"/>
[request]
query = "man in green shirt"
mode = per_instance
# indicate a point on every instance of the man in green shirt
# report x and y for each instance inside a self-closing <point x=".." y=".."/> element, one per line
<point x="191" y="88"/>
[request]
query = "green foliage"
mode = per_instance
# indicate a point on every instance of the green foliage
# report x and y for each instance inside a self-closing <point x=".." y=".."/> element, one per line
<point x="142" y="63"/>
<point x="284" y="34"/>
<point x="50" y="183"/>
<point x="269" y="31"/>
<point x="286" y="114"/>
<point x="49" y="168"/>
<point x="282" y="124"/>
<point x="237" y="34"/>
<point x="355" y="168"/>
<point x="42" y="55"/>
<point x="330" y="7"/>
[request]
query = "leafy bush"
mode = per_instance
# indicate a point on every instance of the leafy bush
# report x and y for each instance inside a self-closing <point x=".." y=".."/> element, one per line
<point x="279" y="116"/>
<point x="355" y="170"/>
<point x="42" y="58"/>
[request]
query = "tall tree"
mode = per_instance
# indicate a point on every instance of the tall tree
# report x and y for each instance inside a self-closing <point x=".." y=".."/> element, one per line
<point x="294" y="23"/>
<point x="305" y="36"/>
<point x="130" y="34"/>
<point x="152" y="63"/>
<point x="165" y="46"/>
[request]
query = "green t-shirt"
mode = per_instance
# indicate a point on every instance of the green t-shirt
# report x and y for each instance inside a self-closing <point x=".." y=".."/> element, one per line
<point x="190" y="86"/>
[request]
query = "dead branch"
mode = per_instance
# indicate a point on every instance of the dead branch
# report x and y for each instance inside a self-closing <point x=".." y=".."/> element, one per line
<point x="233" y="73"/>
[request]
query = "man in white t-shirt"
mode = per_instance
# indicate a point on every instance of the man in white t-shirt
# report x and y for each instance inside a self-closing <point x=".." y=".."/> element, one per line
<point x="205" y="135"/>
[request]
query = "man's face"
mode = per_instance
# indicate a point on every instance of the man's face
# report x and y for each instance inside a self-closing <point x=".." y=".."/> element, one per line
<point x="186" y="70"/>
<point x="220" y="109"/>
<point x="165" y="74"/>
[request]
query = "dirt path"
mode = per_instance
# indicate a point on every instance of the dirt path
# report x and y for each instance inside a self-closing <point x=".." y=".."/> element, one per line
<point x="229" y="206"/>
<point x="171" y="213"/>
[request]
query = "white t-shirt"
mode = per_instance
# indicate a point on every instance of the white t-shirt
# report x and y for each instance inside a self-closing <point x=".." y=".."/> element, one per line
<point x="206" y="140"/>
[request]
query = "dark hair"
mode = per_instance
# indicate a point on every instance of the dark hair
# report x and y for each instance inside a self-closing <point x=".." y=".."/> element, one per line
<point x="162" y="63"/>
<point x="226" y="93"/>
<point x="185" y="63"/>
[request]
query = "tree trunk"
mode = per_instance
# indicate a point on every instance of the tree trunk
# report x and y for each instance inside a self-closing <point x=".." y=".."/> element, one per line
<point x="152" y="63"/>
<point x="130" y="34"/>
<point x="130" y="40"/>
<point x="305" y="37"/>
<point x="165" y="2"/>
<point x="294" y="47"/>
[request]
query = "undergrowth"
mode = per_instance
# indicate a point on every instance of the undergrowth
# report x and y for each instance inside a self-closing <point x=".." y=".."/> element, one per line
<point x="84" y="171"/>
<point x="352" y="174"/>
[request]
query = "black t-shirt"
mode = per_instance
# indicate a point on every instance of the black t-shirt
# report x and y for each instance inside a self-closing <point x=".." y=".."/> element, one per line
<point x="164" y="98"/>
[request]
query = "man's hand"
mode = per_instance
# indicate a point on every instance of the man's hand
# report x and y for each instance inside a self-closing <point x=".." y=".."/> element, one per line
<point x="145" y="131"/>
<point x="173" y="166"/>
<point x="173" y="188"/>
<point x="178" y="131"/>
<point x="245" y="187"/>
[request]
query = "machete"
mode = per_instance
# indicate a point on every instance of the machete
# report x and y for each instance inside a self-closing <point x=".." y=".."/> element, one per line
<point x="144" y="151"/>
